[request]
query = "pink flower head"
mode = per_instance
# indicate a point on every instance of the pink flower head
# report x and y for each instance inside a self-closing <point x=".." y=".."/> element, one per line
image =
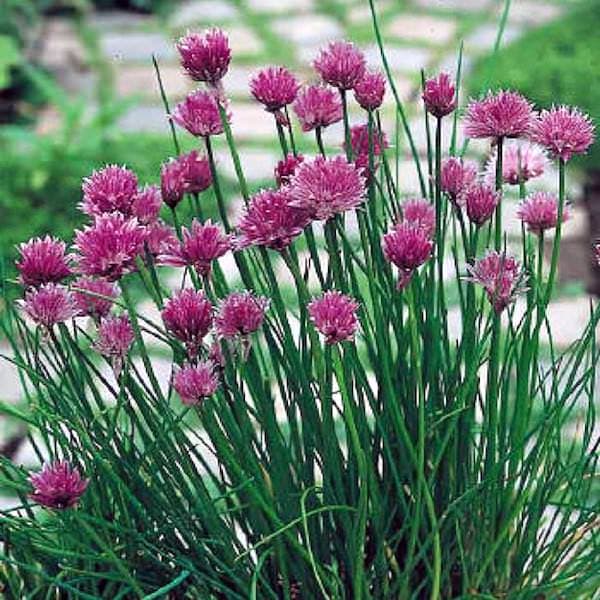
<point x="275" y="87"/>
<point x="58" y="485"/>
<point x="199" y="114"/>
<point x="109" y="247"/>
<point x="334" y="315"/>
<point x="325" y="187"/>
<point x="160" y="238"/>
<point x="43" y="260"/>
<point x="115" y="338"/>
<point x="188" y="315"/>
<point x="519" y="160"/>
<point x="407" y="246"/>
<point x="359" y="140"/>
<point x="481" y="201"/>
<point x="539" y="211"/>
<point x="421" y="213"/>
<point x="370" y="90"/>
<point x="505" y="114"/>
<point x="501" y="277"/>
<point x="49" y="304"/>
<point x="270" y="221"/>
<point x="194" y="383"/>
<point x="196" y="175"/>
<point x="341" y="64"/>
<point x="146" y="204"/>
<point x="240" y="314"/>
<point x="286" y="168"/>
<point x="456" y="176"/>
<point x="206" y="56"/>
<point x="563" y="131"/>
<point x="317" y="106"/>
<point x="91" y="304"/>
<point x="201" y="244"/>
<point x="111" y="189"/>
<point x="439" y="95"/>
<point x="172" y="182"/>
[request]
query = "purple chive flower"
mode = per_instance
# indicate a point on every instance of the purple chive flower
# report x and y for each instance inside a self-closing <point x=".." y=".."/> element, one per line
<point x="115" y="338"/>
<point x="146" y="204"/>
<point x="201" y="244"/>
<point x="325" y="187"/>
<point x="194" y="383"/>
<point x="341" y="64"/>
<point x="505" y="114"/>
<point x="271" y="221"/>
<point x="359" y="141"/>
<point x="275" y="88"/>
<point x="43" y="260"/>
<point x="206" y="56"/>
<point x="58" y="485"/>
<point x="286" y="168"/>
<point x="317" y="106"/>
<point x="563" y="131"/>
<point x="539" y="211"/>
<point x="90" y="304"/>
<point x="334" y="315"/>
<point x="519" y="160"/>
<point x="501" y="277"/>
<point x="420" y="213"/>
<point x="49" y="304"/>
<point x="240" y="314"/>
<point x="481" y="201"/>
<point x="188" y="316"/>
<point x="439" y="95"/>
<point x="197" y="175"/>
<point x="109" y="247"/>
<point x="172" y="182"/>
<point x="370" y="90"/>
<point x="111" y="189"/>
<point x="199" y="114"/>
<point x="160" y="238"/>
<point x="456" y="176"/>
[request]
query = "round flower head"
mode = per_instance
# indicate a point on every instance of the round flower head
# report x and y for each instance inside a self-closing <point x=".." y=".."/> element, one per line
<point x="317" y="106"/>
<point x="275" y="87"/>
<point x="201" y="244"/>
<point x="146" y="204"/>
<point x="439" y="95"/>
<point x="199" y="114"/>
<point x="49" y="304"/>
<point x="108" y="190"/>
<point x="359" y="141"/>
<point x="115" y="338"/>
<point x="43" y="260"/>
<point x="370" y="90"/>
<point x="325" y="187"/>
<point x="92" y="304"/>
<point x="407" y="246"/>
<point x="420" y="213"/>
<point x="159" y="238"/>
<point x="240" y="314"/>
<point x="109" y="247"/>
<point x="341" y="64"/>
<point x="286" y="168"/>
<point x="481" y="201"/>
<point x="196" y="173"/>
<point x="58" y="485"/>
<point x="206" y="56"/>
<point x="456" y="176"/>
<point x="194" y="383"/>
<point x="505" y="114"/>
<point x="501" y="277"/>
<point x="539" y="211"/>
<point x="334" y="315"/>
<point x="563" y="131"/>
<point x="172" y="182"/>
<point x="520" y="160"/>
<point x="270" y="221"/>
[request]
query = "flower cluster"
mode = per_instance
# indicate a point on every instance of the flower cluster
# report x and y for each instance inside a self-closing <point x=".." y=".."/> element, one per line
<point x="58" y="486"/>
<point x="334" y="315"/>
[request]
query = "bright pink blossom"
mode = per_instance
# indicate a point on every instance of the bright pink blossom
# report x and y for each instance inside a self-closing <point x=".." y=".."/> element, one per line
<point x="172" y="182"/>
<point x="194" y="383"/>
<point x="274" y="87"/>
<point x="359" y="140"/>
<point x="286" y="168"/>
<point x="240" y="314"/>
<point x="563" y="131"/>
<point x="407" y="246"/>
<point x="439" y="95"/>
<point x="199" y="114"/>
<point x="370" y="90"/>
<point x="115" y="338"/>
<point x="504" y="114"/>
<point x="480" y="201"/>
<point x="325" y="187"/>
<point x="317" y="106"/>
<point x="43" y="260"/>
<point x="91" y="304"/>
<point x="420" y="212"/>
<point x="341" y="64"/>
<point x="58" y="485"/>
<point x="146" y="204"/>
<point x="456" y="176"/>
<point x="539" y="211"/>
<point x="334" y="315"/>
<point x="197" y="176"/>
<point x="160" y="238"/>
<point x="111" y="189"/>
<point x="520" y="160"/>
<point x="206" y="56"/>
<point x="49" y="304"/>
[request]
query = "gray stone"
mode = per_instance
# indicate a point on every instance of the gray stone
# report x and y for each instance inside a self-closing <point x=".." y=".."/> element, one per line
<point x="483" y="38"/>
<point x="257" y="164"/>
<point x="144" y="118"/>
<point x="136" y="46"/>
<point x="455" y="5"/>
<point x="237" y="80"/>
<point x="203" y="11"/>
<point x="400" y="58"/>
<point x="9" y="375"/>
<point x="119" y="20"/>
<point x="251" y="121"/>
<point x="244" y="41"/>
<point x="307" y="29"/>
<point x="60" y="46"/>
<point x="278" y="7"/>
<point x="568" y="319"/>
<point x="409" y="178"/>
<point x="141" y="80"/>
<point x="419" y="133"/>
<point x="533" y="13"/>
<point x="422" y="28"/>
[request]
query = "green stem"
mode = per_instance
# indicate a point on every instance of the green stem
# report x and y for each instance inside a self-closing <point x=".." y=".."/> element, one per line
<point x="217" y="185"/>
<point x="237" y="164"/>
<point x="499" y="159"/>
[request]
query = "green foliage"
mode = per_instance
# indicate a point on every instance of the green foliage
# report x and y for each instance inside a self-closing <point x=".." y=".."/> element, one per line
<point x="557" y="63"/>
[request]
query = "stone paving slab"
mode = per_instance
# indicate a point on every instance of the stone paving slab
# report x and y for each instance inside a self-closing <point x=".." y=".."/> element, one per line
<point x="144" y="118"/>
<point x="258" y="164"/>
<point x="307" y="30"/>
<point x="533" y="13"/>
<point x="400" y="58"/>
<point x="137" y="46"/>
<point x="251" y="121"/>
<point x="140" y="79"/>
<point x="279" y="7"/>
<point x="422" y="28"/>
<point x="483" y="37"/>
<point x="454" y="5"/>
<point x="203" y="12"/>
